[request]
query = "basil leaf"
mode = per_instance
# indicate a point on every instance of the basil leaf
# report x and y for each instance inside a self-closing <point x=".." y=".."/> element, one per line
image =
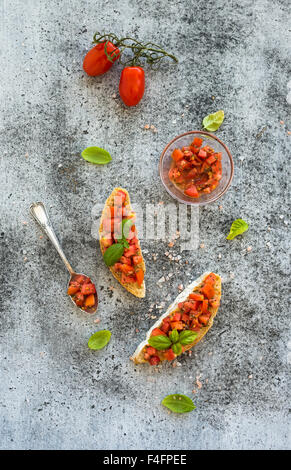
<point x="177" y="349"/>
<point x="96" y="155"/>
<point x="174" y="336"/>
<point x="187" y="337"/>
<point x="113" y="254"/>
<point x="213" y="121"/>
<point x="160" y="342"/>
<point x="238" y="226"/>
<point x="178" y="403"/>
<point x="99" y="339"/>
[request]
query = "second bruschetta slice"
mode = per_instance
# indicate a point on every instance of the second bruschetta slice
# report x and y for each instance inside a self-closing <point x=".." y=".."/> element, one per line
<point x="185" y="322"/>
<point x="119" y="243"/>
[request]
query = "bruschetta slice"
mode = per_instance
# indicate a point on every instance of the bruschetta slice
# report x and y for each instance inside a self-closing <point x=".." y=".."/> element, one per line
<point x="125" y="259"/>
<point x="185" y="322"/>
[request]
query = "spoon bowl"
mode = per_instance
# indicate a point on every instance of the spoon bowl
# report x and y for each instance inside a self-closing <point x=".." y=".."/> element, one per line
<point x="39" y="213"/>
<point x="89" y="309"/>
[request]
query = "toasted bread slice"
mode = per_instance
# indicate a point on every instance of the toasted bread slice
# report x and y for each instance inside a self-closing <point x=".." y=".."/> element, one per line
<point x="133" y="288"/>
<point x="138" y="356"/>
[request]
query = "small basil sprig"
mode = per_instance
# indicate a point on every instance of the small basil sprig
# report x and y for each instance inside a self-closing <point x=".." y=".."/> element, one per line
<point x="96" y="155"/>
<point x="213" y="121"/>
<point x="115" y="251"/>
<point x="99" y="339"/>
<point x="238" y="227"/>
<point x="178" y="403"/>
<point x="174" y="340"/>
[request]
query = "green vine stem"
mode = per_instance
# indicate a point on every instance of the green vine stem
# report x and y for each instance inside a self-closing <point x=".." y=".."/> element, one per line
<point x="150" y="52"/>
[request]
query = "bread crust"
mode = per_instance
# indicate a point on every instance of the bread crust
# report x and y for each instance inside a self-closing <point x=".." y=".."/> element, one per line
<point x="138" y="356"/>
<point x="133" y="288"/>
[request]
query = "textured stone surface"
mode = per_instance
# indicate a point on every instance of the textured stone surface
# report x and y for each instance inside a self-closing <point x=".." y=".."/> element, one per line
<point x="54" y="392"/>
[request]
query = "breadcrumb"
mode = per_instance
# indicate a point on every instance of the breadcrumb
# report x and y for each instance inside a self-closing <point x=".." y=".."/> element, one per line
<point x="198" y="383"/>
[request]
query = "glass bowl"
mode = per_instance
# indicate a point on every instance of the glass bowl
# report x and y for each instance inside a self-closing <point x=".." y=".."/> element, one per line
<point x="184" y="140"/>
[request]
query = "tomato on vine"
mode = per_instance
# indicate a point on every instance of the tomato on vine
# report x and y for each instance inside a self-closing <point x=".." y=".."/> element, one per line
<point x="100" y="58"/>
<point x="110" y="48"/>
<point x="131" y="85"/>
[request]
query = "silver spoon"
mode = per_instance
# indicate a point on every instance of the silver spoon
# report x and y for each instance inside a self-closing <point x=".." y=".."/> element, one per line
<point x="38" y="212"/>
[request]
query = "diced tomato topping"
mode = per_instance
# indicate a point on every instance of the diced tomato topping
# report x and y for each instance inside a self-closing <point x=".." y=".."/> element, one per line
<point x="176" y="317"/>
<point x="137" y="259"/>
<point x="127" y="279"/>
<point x="214" y="303"/>
<point x="134" y="241"/>
<point x="125" y="260"/>
<point x="125" y="211"/>
<point x="183" y="165"/>
<point x="130" y="251"/>
<point x="195" y="150"/>
<point x="79" y="299"/>
<point x="202" y="153"/>
<point x="191" y="174"/>
<point x="195" y="296"/>
<point x="196" y="328"/>
<point x="157" y="332"/>
<point x="196" y="170"/>
<point x="113" y="211"/>
<point x="107" y="225"/>
<point x="90" y="300"/>
<point x="197" y="141"/>
<point x="204" y="306"/>
<point x="73" y="288"/>
<point x="80" y="279"/>
<point x="154" y="360"/>
<point x="192" y="191"/>
<point x="127" y="269"/>
<point x="177" y="325"/>
<point x="165" y="327"/>
<point x="177" y="155"/>
<point x="106" y="242"/>
<point x="211" y="160"/>
<point x="120" y="195"/>
<point x="203" y="319"/>
<point x="208" y="290"/>
<point x="117" y="266"/>
<point x="139" y="276"/>
<point x="151" y="351"/>
<point x="211" y="278"/>
<point x="185" y="318"/>
<point x="88" y="289"/>
<point x="170" y="355"/>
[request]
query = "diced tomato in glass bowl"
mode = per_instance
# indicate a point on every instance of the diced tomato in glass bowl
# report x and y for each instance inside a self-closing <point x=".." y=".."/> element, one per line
<point x="196" y="168"/>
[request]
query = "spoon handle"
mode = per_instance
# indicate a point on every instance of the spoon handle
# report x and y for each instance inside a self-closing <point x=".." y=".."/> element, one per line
<point x="39" y="213"/>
